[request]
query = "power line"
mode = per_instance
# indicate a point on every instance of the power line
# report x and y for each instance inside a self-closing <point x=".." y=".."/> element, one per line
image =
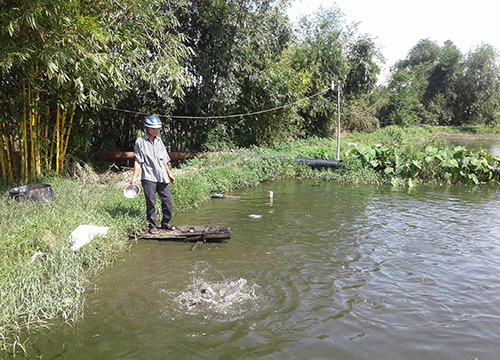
<point x="221" y="117"/>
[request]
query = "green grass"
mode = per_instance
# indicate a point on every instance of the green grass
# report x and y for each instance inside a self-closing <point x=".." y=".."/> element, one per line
<point x="35" y="293"/>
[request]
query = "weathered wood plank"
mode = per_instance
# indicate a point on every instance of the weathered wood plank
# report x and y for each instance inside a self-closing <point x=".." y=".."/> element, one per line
<point x="203" y="233"/>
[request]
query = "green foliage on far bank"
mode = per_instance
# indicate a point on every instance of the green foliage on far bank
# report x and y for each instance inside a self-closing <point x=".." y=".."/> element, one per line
<point x="404" y="156"/>
<point x="39" y="291"/>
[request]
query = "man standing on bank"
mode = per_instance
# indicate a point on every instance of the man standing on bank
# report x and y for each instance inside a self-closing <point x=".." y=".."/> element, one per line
<point x="151" y="161"/>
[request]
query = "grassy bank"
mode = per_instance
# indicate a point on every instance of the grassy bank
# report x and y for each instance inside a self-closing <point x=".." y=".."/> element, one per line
<point x="38" y="291"/>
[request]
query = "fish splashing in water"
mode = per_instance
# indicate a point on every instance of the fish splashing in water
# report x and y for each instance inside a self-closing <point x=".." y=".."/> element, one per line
<point x="221" y="298"/>
<point x="234" y="290"/>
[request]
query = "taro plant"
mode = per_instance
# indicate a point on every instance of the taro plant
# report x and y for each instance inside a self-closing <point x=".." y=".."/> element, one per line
<point x="458" y="165"/>
<point x="377" y="157"/>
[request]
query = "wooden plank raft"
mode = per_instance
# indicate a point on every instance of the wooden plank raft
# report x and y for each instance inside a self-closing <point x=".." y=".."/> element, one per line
<point x="199" y="233"/>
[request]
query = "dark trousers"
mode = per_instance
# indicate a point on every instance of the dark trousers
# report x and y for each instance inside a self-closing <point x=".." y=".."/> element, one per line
<point x="152" y="188"/>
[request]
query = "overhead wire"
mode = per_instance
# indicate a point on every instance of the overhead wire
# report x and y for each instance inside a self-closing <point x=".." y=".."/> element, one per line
<point x="220" y="117"/>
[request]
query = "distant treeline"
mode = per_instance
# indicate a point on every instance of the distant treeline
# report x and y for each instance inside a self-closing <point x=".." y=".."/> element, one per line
<point x="78" y="77"/>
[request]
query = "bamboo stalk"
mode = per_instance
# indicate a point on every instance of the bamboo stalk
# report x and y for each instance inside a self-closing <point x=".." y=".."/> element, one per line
<point x="69" y="127"/>
<point x="46" y="141"/>
<point x="3" y="167"/>
<point x="23" y="141"/>
<point x="57" y="137"/>
<point x="62" y="136"/>
<point x="31" y="136"/>
<point x="60" y="161"/>
<point x="3" y="151"/>
<point x="52" y="144"/>
<point x="37" y="140"/>
<point x="10" y="159"/>
<point x="10" y="162"/>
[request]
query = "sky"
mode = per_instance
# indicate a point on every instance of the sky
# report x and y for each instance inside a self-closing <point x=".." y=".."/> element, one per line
<point x="398" y="25"/>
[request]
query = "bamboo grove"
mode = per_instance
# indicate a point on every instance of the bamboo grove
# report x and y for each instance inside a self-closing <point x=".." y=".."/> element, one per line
<point x="60" y="59"/>
<point x="38" y="143"/>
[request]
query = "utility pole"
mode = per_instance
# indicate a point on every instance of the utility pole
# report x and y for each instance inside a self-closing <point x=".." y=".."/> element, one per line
<point x="339" y="92"/>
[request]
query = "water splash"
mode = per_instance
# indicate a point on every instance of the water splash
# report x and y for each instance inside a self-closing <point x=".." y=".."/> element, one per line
<point x="221" y="298"/>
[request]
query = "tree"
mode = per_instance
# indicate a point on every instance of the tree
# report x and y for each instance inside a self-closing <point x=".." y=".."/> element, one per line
<point x="319" y="53"/>
<point x="362" y="56"/>
<point x="439" y="94"/>
<point x="450" y="88"/>
<point x="421" y="86"/>
<point x="329" y="51"/>
<point x="359" y="104"/>
<point x="420" y="64"/>
<point x="403" y="106"/>
<point x="478" y="88"/>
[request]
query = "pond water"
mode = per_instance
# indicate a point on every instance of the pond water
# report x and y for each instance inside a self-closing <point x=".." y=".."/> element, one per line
<point x="327" y="271"/>
<point x="491" y="143"/>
